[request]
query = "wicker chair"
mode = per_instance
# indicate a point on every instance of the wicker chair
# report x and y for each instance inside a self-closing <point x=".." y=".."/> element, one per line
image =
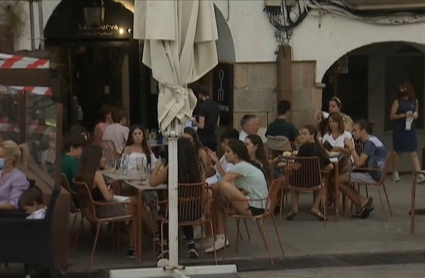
<point x="192" y="201"/>
<point x="88" y="209"/>
<point x="271" y="203"/>
<point x="381" y="183"/>
<point x="304" y="175"/>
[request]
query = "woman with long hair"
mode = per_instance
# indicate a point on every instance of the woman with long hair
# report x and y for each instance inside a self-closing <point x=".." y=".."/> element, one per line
<point x="405" y="108"/>
<point x="336" y="137"/>
<point x="137" y="148"/>
<point x="189" y="171"/>
<point x="190" y="133"/>
<point x="311" y="147"/>
<point x="13" y="181"/>
<point x="257" y="152"/>
<point x="90" y="162"/>
<point x="244" y="181"/>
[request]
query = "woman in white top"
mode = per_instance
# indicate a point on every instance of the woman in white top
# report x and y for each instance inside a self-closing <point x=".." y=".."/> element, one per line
<point x="244" y="181"/>
<point x="137" y="148"/>
<point x="337" y="138"/>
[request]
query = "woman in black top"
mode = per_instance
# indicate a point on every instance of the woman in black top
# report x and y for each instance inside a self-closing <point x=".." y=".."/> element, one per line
<point x="89" y="173"/>
<point x="311" y="147"/>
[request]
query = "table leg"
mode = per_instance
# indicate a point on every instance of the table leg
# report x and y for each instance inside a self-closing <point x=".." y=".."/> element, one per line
<point x="139" y="238"/>
<point x="336" y="205"/>
<point x="412" y="206"/>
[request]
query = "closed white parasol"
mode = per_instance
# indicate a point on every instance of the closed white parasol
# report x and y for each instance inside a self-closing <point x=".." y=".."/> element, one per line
<point x="179" y="46"/>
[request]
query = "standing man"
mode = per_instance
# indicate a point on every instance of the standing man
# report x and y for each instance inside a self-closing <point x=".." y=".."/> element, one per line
<point x="117" y="132"/>
<point x="250" y="125"/>
<point x="208" y="117"/>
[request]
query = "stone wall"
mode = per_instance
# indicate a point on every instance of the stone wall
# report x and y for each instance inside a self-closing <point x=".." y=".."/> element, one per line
<point x="254" y="92"/>
<point x="306" y="94"/>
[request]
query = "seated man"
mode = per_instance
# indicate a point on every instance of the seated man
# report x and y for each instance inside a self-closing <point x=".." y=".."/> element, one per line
<point x="249" y="125"/>
<point x="374" y="154"/>
<point x="73" y="143"/>
<point x="280" y="126"/>
<point x="117" y="132"/>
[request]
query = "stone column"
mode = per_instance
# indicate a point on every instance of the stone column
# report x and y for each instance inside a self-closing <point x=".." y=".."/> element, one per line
<point x="7" y="44"/>
<point x="306" y="94"/>
<point x="254" y="92"/>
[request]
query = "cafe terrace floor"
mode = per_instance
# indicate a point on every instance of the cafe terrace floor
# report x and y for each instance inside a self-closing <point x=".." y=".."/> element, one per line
<point x="307" y="243"/>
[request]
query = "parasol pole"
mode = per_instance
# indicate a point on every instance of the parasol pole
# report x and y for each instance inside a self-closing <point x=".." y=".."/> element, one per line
<point x="173" y="132"/>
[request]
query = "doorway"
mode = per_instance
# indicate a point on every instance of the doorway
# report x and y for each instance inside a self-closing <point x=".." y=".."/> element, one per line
<point x="93" y="74"/>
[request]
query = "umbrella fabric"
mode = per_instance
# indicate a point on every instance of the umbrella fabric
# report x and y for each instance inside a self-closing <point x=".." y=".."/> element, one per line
<point x="179" y="46"/>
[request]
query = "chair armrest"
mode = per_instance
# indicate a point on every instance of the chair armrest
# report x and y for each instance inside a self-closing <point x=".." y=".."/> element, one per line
<point x="13" y="214"/>
<point x="365" y="170"/>
<point x="110" y="203"/>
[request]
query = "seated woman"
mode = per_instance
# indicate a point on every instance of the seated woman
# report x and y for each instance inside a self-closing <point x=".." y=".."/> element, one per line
<point x="336" y="138"/>
<point x="210" y="172"/>
<point x="189" y="171"/>
<point x="13" y="181"/>
<point x="190" y="133"/>
<point x="244" y="181"/>
<point x="90" y="162"/>
<point x="311" y="147"/>
<point x="257" y="153"/>
<point x="137" y="148"/>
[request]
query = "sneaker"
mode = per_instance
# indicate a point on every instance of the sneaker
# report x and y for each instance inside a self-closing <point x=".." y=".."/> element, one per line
<point x="131" y="253"/>
<point x="420" y="178"/>
<point x="219" y="244"/>
<point x="396" y="176"/>
<point x="206" y="242"/>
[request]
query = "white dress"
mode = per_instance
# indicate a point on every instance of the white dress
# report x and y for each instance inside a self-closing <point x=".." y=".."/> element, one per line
<point x="338" y="142"/>
<point x="132" y="160"/>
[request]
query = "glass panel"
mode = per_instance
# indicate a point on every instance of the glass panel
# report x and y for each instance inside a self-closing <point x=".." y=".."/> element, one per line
<point x="41" y="122"/>
<point x="9" y="128"/>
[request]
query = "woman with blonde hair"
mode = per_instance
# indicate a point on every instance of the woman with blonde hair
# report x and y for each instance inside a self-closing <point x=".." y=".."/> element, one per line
<point x="13" y="181"/>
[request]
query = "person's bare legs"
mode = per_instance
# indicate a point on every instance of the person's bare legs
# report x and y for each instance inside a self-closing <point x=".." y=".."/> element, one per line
<point x="415" y="161"/>
<point x="317" y="199"/>
<point x="395" y="175"/>
<point x="358" y="200"/>
<point x="295" y="198"/>
<point x="227" y="193"/>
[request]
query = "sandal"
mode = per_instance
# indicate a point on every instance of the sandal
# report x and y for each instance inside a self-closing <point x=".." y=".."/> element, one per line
<point x="319" y="215"/>
<point x="366" y="209"/>
<point x="291" y="215"/>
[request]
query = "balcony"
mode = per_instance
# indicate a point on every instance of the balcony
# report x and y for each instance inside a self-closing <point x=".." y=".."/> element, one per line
<point x="387" y="5"/>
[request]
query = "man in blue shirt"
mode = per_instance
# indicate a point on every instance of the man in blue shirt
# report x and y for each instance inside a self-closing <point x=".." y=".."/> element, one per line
<point x="373" y="155"/>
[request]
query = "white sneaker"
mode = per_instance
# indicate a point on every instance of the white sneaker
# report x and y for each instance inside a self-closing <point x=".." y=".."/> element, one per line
<point x="206" y="243"/>
<point x="197" y="233"/>
<point x="420" y="178"/>
<point x="219" y="244"/>
<point x="396" y="176"/>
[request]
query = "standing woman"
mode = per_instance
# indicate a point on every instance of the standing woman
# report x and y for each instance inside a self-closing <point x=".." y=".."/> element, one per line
<point x="404" y="139"/>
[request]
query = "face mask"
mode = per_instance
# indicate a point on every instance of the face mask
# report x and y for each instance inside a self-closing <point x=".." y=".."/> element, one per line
<point x="1" y="163"/>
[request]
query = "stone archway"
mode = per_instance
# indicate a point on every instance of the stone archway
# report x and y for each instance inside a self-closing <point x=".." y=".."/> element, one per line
<point x="368" y="89"/>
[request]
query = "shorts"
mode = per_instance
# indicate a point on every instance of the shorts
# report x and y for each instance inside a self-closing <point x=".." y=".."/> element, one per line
<point x="256" y="211"/>
<point x="361" y="177"/>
